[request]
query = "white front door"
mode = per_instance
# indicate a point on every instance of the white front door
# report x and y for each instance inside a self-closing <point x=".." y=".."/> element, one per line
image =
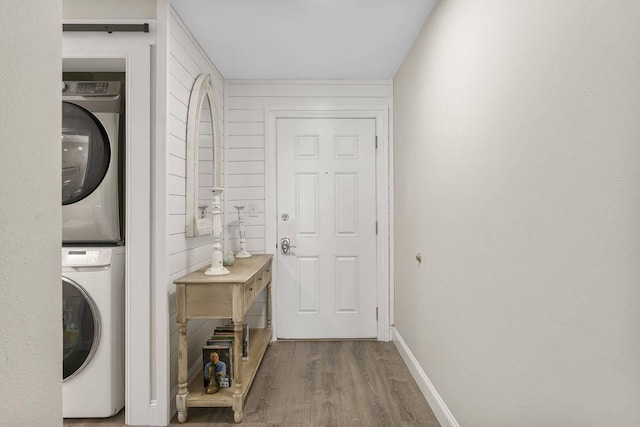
<point x="326" y="207"/>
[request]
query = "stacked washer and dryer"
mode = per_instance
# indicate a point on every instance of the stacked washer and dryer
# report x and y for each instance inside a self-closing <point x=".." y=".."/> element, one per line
<point x="92" y="250"/>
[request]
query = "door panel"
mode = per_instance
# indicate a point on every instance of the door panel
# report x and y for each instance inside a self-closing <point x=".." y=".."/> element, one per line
<point x="326" y="284"/>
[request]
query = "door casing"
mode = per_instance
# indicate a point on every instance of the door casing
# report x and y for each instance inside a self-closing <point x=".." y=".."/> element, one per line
<point x="383" y="169"/>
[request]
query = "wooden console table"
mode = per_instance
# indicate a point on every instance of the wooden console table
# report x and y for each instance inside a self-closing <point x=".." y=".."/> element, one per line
<point x="230" y="296"/>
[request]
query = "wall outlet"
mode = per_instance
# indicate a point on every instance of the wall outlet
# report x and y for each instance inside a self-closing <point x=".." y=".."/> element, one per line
<point x="253" y="209"/>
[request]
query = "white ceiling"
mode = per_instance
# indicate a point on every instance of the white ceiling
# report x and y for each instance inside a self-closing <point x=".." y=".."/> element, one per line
<point x="305" y="39"/>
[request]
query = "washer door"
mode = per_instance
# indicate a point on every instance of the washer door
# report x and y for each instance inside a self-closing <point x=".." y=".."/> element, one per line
<point x="86" y="153"/>
<point x="80" y="328"/>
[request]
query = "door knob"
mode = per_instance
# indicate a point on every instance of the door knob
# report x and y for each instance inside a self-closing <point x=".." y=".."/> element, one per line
<point x="285" y="245"/>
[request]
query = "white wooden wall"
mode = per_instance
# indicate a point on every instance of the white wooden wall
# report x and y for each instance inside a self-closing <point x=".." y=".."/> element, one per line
<point x="185" y="62"/>
<point x="245" y="102"/>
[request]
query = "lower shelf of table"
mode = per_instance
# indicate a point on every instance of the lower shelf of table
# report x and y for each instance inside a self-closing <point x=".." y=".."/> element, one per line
<point x="197" y="398"/>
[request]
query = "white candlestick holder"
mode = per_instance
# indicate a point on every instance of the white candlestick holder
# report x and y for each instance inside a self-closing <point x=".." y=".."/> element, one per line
<point x="216" y="269"/>
<point x="243" y="253"/>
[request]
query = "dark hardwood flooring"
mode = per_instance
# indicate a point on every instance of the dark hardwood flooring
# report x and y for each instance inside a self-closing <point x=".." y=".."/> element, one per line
<point x="320" y="383"/>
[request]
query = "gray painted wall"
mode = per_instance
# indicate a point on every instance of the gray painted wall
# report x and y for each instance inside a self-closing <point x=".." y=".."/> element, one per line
<point x="109" y="9"/>
<point x="517" y="175"/>
<point x="30" y="214"/>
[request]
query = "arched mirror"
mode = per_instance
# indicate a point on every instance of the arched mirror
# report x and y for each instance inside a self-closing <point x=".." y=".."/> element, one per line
<point x="204" y="156"/>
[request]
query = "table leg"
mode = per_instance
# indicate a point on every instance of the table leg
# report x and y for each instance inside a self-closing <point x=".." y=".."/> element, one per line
<point x="237" y="372"/>
<point x="181" y="397"/>
<point x="269" y="304"/>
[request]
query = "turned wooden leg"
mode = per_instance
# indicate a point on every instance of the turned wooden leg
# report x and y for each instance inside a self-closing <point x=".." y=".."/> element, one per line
<point x="237" y="371"/>
<point x="238" y="407"/>
<point x="269" y="305"/>
<point x="181" y="397"/>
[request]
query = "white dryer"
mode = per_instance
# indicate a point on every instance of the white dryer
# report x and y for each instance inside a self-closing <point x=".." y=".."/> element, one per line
<point x="93" y="331"/>
<point x="91" y="210"/>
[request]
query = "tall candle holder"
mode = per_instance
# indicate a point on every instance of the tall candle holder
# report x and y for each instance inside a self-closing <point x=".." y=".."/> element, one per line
<point x="243" y="241"/>
<point x="216" y="269"/>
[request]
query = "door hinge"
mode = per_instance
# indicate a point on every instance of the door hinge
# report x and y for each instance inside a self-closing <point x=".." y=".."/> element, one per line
<point x="376" y="142"/>
<point x="376" y="314"/>
<point x="376" y="228"/>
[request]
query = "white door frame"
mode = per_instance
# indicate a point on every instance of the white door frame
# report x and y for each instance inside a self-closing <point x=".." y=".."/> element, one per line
<point x="135" y="49"/>
<point x="383" y="261"/>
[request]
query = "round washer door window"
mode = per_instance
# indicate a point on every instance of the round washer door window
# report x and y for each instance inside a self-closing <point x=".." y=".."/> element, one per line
<point x="80" y="328"/>
<point x="86" y="153"/>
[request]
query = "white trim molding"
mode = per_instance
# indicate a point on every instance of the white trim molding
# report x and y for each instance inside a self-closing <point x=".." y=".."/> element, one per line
<point x="135" y="50"/>
<point x="383" y="261"/>
<point x="392" y="256"/>
<point x="160" y="408"/>
<point x="437" y="404"/>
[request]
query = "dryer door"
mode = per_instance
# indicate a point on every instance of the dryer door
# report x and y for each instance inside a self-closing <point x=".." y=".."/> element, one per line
<point x="86" y="153"/>
<point x="80" y="328"/>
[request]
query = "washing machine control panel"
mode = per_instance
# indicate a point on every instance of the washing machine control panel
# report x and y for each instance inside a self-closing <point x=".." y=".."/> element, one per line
<point x="85" y="257"/>
<point x="91" y="88"/>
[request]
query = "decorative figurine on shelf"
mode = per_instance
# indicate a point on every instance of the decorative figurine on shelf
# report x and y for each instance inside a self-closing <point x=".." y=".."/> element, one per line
<point x="216" y="269"/>
<point x="228" y="259"/>
<point x="213" y="386"/>
<point x="243" y="241"/>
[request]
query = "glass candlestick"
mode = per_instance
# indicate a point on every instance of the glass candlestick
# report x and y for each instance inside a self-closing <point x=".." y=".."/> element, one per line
<point x="243" y="253"/>
<point x="216" y="269"/>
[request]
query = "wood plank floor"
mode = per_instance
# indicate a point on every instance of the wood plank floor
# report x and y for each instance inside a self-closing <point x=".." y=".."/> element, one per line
<point x="321" y="383"/>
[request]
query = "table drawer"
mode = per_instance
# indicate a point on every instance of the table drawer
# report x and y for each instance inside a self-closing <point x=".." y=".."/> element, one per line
<point x="266" y="274"/>
<point x="250" y="291"/>
<point x="256" y="284"/>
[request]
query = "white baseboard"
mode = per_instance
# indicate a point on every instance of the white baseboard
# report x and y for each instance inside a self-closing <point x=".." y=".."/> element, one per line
<point x="442" y="413"/>
<point x="154" y="415"/>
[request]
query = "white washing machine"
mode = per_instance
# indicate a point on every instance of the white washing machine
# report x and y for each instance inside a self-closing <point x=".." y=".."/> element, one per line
<point x="93" y="331"/>
<point x="91" y="210"/>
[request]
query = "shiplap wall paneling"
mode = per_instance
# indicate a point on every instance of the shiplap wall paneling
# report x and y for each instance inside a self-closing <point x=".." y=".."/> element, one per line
<point x="245" y="104"/>
<point x="245" y="139"/>
<point x="186" y="62"/>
